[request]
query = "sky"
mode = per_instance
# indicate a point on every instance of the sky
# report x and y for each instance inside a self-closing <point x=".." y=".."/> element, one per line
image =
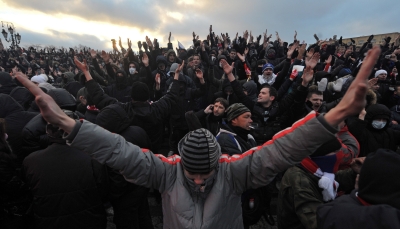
<point x="93" y="23"/>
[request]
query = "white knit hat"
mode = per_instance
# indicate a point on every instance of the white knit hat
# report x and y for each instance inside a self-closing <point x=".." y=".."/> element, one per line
<point x="377" y="73"/>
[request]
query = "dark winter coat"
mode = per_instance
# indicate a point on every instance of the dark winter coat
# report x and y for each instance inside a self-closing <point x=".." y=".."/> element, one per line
<point x="6" y="83"/>
<point x="16" y="118"/>
<point x="151" y="117"/>
<point x="347" y="212"/>
<point x="371" y="139"/>
<point x="62" y="180"/>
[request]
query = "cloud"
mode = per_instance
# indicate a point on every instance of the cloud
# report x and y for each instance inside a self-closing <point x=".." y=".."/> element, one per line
<point x="98" y="21"/>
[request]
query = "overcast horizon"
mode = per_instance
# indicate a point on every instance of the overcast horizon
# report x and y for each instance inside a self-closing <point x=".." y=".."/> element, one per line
<point x="92" y="23"/>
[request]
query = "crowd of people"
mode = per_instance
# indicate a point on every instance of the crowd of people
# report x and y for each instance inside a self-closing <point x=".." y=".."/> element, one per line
<point x="214" y="130"/>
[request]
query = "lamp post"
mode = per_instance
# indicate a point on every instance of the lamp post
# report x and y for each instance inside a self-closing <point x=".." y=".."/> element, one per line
<point x="15" y="39"/>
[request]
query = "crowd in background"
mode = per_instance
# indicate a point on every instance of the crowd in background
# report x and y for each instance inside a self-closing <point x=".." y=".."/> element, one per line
<point x="243" y="90"/>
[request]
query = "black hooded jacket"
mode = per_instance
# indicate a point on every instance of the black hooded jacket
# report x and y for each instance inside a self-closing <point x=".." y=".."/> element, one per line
<point x="34" y="135"/>
<point x="120" y="89"/>
<point x="150" y="117"/>
<point x="23" y="96"/>
<point x="16" y="118"/>
<point x="371" y="139"/>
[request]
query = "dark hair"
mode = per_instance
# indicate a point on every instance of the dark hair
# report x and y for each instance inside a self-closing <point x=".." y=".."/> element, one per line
<point x="222" y="101"/>
<point x="272" y="90"/>
<point x="232" y="50"/>
<point x="196" y="54"/>
<point x="313" y="90"/>
<point x="82" y="92"/>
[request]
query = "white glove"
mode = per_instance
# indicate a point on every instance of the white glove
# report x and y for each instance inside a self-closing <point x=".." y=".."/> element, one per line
<point x="329" y="185"/>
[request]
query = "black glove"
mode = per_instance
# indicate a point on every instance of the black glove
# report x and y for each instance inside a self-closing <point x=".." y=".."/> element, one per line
<point x="145" y="46"/>
<point x="340" y="40"/>
<point x="156" y="44"/>
<point x="258" y="39"/>
<point x="388" y="40"/>
<point x="352" y="41"/>
<point x="316" y="37"/>
<point x="139" y="44"/>
<point x="370" y="38"/>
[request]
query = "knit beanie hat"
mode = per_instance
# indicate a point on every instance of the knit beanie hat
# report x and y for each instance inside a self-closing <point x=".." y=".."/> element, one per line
<point x="267" y="66"/>
<point x="173" y="67"/>
<point x="377" y="73"/>
<point x="140" y="92"/>
<point x="378" y="182"/>
<point x="199" y="151"/>
<point x="235" y="110"/>
<point x="38" y="79"/>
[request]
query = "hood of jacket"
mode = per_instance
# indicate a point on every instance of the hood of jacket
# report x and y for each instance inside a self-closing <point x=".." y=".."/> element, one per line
<point x="8" y="106"/>
<point x="251" y="88"/>
<point x="113" y="118"/>
<point x="63" y="98"/>
<point x="377" y="111"/>
<point x="23" y="96"/>
<point x="6" y="83"/>
<point x="161" y="59"/>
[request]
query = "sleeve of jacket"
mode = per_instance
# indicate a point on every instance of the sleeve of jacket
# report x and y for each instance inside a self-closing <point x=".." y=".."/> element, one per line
<point x="96" y="67"/>
<point x="356" y="127"/>
<point x="138" y="166"/>
<point x="164" y="104"/>
<point x="258" y="166"/>
<point x="99" y="98"/>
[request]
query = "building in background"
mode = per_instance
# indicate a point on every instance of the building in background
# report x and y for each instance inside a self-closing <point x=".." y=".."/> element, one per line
<point x="378" y="39"/>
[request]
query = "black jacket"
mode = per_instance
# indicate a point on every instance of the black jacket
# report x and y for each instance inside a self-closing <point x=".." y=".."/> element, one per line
<point x="16" y="118"/>
<point x="371" y="139"/>
<point x="348" y="212"/>
<point x="63" y="183"/>
<point x="150" y="117"/>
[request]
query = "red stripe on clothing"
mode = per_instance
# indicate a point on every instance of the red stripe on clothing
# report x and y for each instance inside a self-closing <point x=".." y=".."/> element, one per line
<point x="363" y="202"/>
<point x="280" y="134"/>
<point x="172" y="160"/>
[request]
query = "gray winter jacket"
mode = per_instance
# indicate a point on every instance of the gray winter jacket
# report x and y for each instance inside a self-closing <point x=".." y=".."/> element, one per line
<point x="221" y="208"/>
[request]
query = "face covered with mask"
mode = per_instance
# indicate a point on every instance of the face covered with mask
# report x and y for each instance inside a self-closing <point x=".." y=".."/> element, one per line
<point x="379" y="123"/>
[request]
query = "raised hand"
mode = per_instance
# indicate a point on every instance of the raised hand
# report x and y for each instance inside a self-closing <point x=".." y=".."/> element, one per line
<point x="179" y="70"/>
<point x="169" y="37"/>
<point x="105" y="56"/>
<point x="93" y="53"/>
<point x="307" y="76"/>
<point x="199" y="73"/>
<point x="372" y="82"/>
<point x="158" y="78"/>
<point x="310" y="53"/>
<point x="246" y="50"/>
<point x="241" y="57"/>
<point x="210" y="28"/>
<point x="145" y="60"/>
<point x="312" y="62"/>
<point x="120" y="42"/>
<point x="329" y="60"/>
<point x="149" y="43"/>
<point x="84" y="67"/>
<point x="295" y="35"/>
<point x="226" y="67"/>
<point x="129" y="44"/>
<point x="353" y="102"/>
<point x="139" y="44"/>
<point x="291" y="50"/>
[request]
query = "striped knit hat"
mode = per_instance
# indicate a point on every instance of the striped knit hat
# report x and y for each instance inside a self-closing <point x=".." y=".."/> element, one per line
<point x="199" y="151"/>
<point x="235" y="110"/>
